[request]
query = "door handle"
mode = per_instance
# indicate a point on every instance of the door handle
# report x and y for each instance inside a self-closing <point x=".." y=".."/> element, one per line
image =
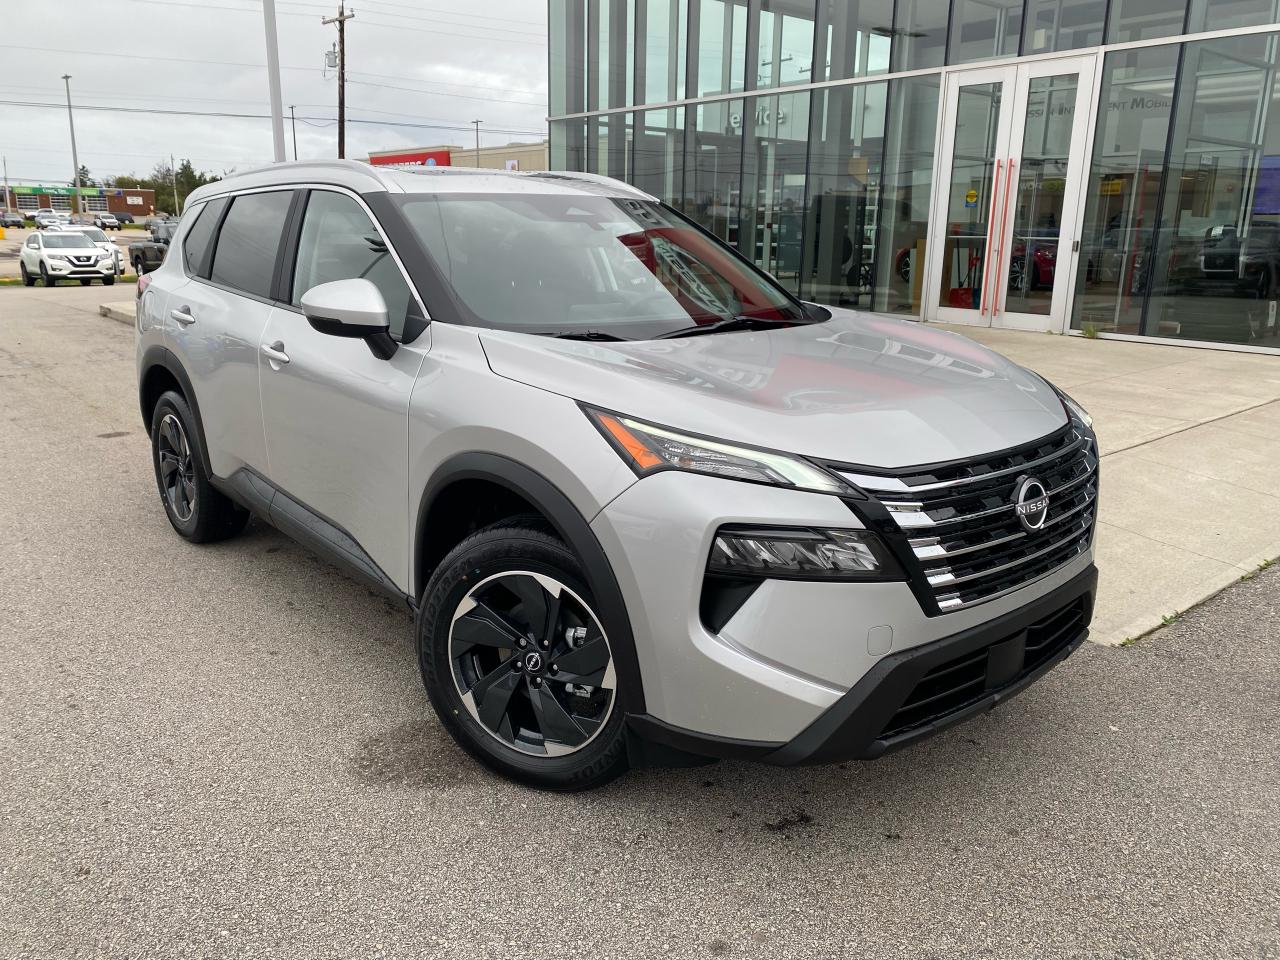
<point x="991" y="237"/>
<point x="183" y="316"/>
<point x="275" y="353"/>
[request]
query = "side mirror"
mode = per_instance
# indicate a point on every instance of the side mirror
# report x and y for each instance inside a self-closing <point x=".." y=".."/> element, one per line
<point x="351" y="308"/>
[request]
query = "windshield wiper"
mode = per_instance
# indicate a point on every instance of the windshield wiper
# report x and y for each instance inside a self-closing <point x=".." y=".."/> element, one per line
<point x="587" y="335"/>
<point x="727" y="324"/>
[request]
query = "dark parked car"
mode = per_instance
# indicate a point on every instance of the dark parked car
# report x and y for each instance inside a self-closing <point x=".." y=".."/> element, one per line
<point x="124" y="218"/>
<point x="146" y="255"/>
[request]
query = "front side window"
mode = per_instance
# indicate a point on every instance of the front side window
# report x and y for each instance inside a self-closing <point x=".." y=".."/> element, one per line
<point x="340" y="242"/>
<point x="580" y="265"/>
<point x="249" y="241"/>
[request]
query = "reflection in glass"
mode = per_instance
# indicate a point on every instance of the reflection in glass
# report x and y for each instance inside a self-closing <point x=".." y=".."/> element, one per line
<point x="1062" y="25"/>
<point x="663" y="58"/>
<point x="722" y="46"/>
<point x="905" y="191"/>
<point x="1230" y="14"/>
<point x="568" y="145"/>
<point x="845" y="152"/>
<point x="1031" y="259"/>
<point x="773" y="183"/>
<point x="608" y="150"/>
<point x="1122" y="189"/>
<point x="919" y="34"/>
<point x="1145" y="19"/>
<point x="981" y="29"/>
<point x="853" y="38"/>
<point x="969" y="195"/>
<point x="567" y="53"/>
<point x="713" y="168"/>
<point x="1217" y="245"/>
<point x="784" y="53"/>
<point x="659" y="146"/>
<point x="610" y="38"/>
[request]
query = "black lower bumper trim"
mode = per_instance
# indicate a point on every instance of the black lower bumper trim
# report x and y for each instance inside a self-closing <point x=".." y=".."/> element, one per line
<point x="891" y="705"/>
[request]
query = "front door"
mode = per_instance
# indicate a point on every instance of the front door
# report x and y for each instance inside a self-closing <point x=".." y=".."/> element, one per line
<point x="1012" y="164"/>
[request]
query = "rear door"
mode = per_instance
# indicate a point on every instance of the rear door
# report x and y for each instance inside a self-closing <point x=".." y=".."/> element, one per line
<point x="336" y="416"/>
<point x="216" y="319"/>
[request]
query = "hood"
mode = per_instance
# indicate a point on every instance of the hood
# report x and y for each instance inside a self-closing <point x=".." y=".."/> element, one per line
<point x="859" y="388"/>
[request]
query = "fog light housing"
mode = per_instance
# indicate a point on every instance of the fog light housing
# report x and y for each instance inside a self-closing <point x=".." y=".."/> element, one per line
<point x="800" y="553"/>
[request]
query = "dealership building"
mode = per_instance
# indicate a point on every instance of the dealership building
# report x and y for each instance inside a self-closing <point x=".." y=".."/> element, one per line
<point x="92" y="200"/>
<point x="1106" y="168"/>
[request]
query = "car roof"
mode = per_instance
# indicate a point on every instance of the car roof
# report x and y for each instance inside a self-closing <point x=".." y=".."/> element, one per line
<point x="366" y="178"/>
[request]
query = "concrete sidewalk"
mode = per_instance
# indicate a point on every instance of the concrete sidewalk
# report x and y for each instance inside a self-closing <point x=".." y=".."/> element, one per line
<point x="1190" y="444"/>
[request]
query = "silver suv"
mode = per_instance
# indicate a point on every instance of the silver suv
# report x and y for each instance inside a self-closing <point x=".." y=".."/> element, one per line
<point x="646" y="506"/>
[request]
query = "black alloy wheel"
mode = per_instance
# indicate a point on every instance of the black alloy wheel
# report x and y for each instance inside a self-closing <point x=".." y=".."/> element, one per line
<point x="531" y="663"/>
<point x="48" y="279"/>
<point x="177" y="468"/>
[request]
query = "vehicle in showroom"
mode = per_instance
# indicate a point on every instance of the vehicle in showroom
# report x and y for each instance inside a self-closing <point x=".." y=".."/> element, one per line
<point x="106" y="221"/>
<point x="646" y="505"/>
<point x="53" y="255"/>
<point x="105" y="243"/>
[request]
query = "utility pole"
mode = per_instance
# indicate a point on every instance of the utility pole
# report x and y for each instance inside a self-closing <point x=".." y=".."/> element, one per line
<point x="75" y="159"/>
<point x="273" y="79"/>
<point x="173" y="169"/>
<point x="293" y="119"/>
<point x="341" y="20"/>
<point x="6" y="184"/>
<point x="477" y="125"/>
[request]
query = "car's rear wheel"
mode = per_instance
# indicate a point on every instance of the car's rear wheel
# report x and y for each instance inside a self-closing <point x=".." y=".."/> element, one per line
<point x="517" y="662"/>
<point x="138" y="268"/>
<point x="196" y="510"/>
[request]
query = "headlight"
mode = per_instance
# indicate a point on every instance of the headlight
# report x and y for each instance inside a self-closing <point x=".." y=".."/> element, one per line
<point x="59" y="256"/>
<point x="649" y="448"/>
<point x="800" y="554"/>
<point x="1076" y="410"/>
<point x="107" y="258"/>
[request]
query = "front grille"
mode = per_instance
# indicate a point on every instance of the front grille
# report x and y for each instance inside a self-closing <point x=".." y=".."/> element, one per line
<point x="959" y="519"/>
<point x="951" y="686"/>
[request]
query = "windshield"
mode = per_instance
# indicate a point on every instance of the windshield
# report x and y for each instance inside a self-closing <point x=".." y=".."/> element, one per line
<point x="97" y="236"/>
<point x="66" y="241"/>
<point x="556" y="264"/>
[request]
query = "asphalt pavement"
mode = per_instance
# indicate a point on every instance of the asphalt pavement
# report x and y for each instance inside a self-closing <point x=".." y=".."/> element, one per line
<point x="226" y="752"/>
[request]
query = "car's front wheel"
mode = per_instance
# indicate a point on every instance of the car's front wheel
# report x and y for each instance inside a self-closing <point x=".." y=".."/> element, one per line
<point x="27" y="279"/>
<point x="197" y="511"/>
<point x="517" y="661"/>
<point x="49" y="279"/>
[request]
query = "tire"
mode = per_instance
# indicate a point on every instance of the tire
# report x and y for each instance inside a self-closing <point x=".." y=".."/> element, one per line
<point x="196" y="510"/>
<point x="109" y="281"/>
<point x="27" y="279"/>
<point x="540" y="729"/>
<point x="49" y="281"/>
<point x="85" y="281"/>
<point x="138" y="268"/>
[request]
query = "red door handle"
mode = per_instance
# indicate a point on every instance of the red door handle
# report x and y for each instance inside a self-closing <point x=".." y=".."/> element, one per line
<point x="1004" y="219"/>
<point x="991" y="226"/>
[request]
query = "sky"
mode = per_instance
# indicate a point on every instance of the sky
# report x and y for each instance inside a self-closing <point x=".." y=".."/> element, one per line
<point x="418" y="73"/>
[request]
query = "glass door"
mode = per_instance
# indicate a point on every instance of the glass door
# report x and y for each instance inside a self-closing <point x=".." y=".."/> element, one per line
<point x="1014" y="153"/>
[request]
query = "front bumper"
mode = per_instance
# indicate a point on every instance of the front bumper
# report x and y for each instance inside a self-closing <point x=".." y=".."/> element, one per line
<point x="914" y="694"/>
<point x="61" y="268"/>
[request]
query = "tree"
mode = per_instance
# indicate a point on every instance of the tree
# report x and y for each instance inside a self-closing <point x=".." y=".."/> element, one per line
<point x="162" y="180"/>
<point x="85" y="179"/>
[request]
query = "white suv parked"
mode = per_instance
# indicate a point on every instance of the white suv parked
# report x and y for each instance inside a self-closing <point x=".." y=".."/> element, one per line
<point x="646" y="505"/>
<point x="65" y="254"/>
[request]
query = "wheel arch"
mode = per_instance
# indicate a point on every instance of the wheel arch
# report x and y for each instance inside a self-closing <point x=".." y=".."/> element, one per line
<point x="532" y="488"/>
<point x="160" y="370"/>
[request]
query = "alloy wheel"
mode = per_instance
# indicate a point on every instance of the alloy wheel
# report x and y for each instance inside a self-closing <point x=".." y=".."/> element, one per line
<point x="177" y="469"/>
<point x="532" y="663"/>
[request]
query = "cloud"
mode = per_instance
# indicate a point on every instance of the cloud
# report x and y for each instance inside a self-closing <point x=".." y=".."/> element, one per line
<point x="418" y="73"/>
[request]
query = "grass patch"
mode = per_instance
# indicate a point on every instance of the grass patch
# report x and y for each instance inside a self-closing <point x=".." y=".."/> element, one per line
<point x="17" y="281"/>
<point x="1090" y="331"/>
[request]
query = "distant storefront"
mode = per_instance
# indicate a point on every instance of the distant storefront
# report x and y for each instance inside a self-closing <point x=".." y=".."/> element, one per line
<point x="511" y="156"/>
<point x="92" y="200"/>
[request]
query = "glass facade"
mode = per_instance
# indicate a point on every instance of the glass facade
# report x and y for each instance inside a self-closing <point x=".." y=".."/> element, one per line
<point x="804" y="133"/>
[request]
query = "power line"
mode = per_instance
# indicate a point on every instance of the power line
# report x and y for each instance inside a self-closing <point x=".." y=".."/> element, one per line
<point x="444" y="125"/>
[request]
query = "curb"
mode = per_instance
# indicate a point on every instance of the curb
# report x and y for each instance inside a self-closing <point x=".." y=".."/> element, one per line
<point x="122" y="311"/>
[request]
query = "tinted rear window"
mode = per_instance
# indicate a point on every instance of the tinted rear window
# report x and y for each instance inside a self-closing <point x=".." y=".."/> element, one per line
<point x="249" y="241"/>
<point x="196" y="245"/>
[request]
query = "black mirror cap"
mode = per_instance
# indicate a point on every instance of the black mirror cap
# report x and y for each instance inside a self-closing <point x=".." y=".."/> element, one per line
<point x="381" y="345"/>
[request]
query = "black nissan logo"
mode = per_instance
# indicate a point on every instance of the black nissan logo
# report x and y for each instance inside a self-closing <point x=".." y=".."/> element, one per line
<point x="1031" y="502"/>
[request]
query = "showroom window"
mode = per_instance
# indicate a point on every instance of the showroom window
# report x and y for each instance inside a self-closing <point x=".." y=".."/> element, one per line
<point x="774" y="157"/>
<point x="919" y="34"/>
<point x="982" y="29"/>
<point x="609" y="146"/>
<point x="854" y="37"/>
<point x="713" y="168"/>
<point x="784" y="43"/>
<point x="1052" y="25"/>
<point x="659" y="152"/>
<point x="721" y="44"/>
<point x="664" y="36"/>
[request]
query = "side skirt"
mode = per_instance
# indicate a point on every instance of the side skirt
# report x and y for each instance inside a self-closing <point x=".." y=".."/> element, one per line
<point x="299" y="522"/>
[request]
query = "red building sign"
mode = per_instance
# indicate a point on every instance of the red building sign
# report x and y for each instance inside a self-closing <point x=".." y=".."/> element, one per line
<point x="419" y="158"/>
